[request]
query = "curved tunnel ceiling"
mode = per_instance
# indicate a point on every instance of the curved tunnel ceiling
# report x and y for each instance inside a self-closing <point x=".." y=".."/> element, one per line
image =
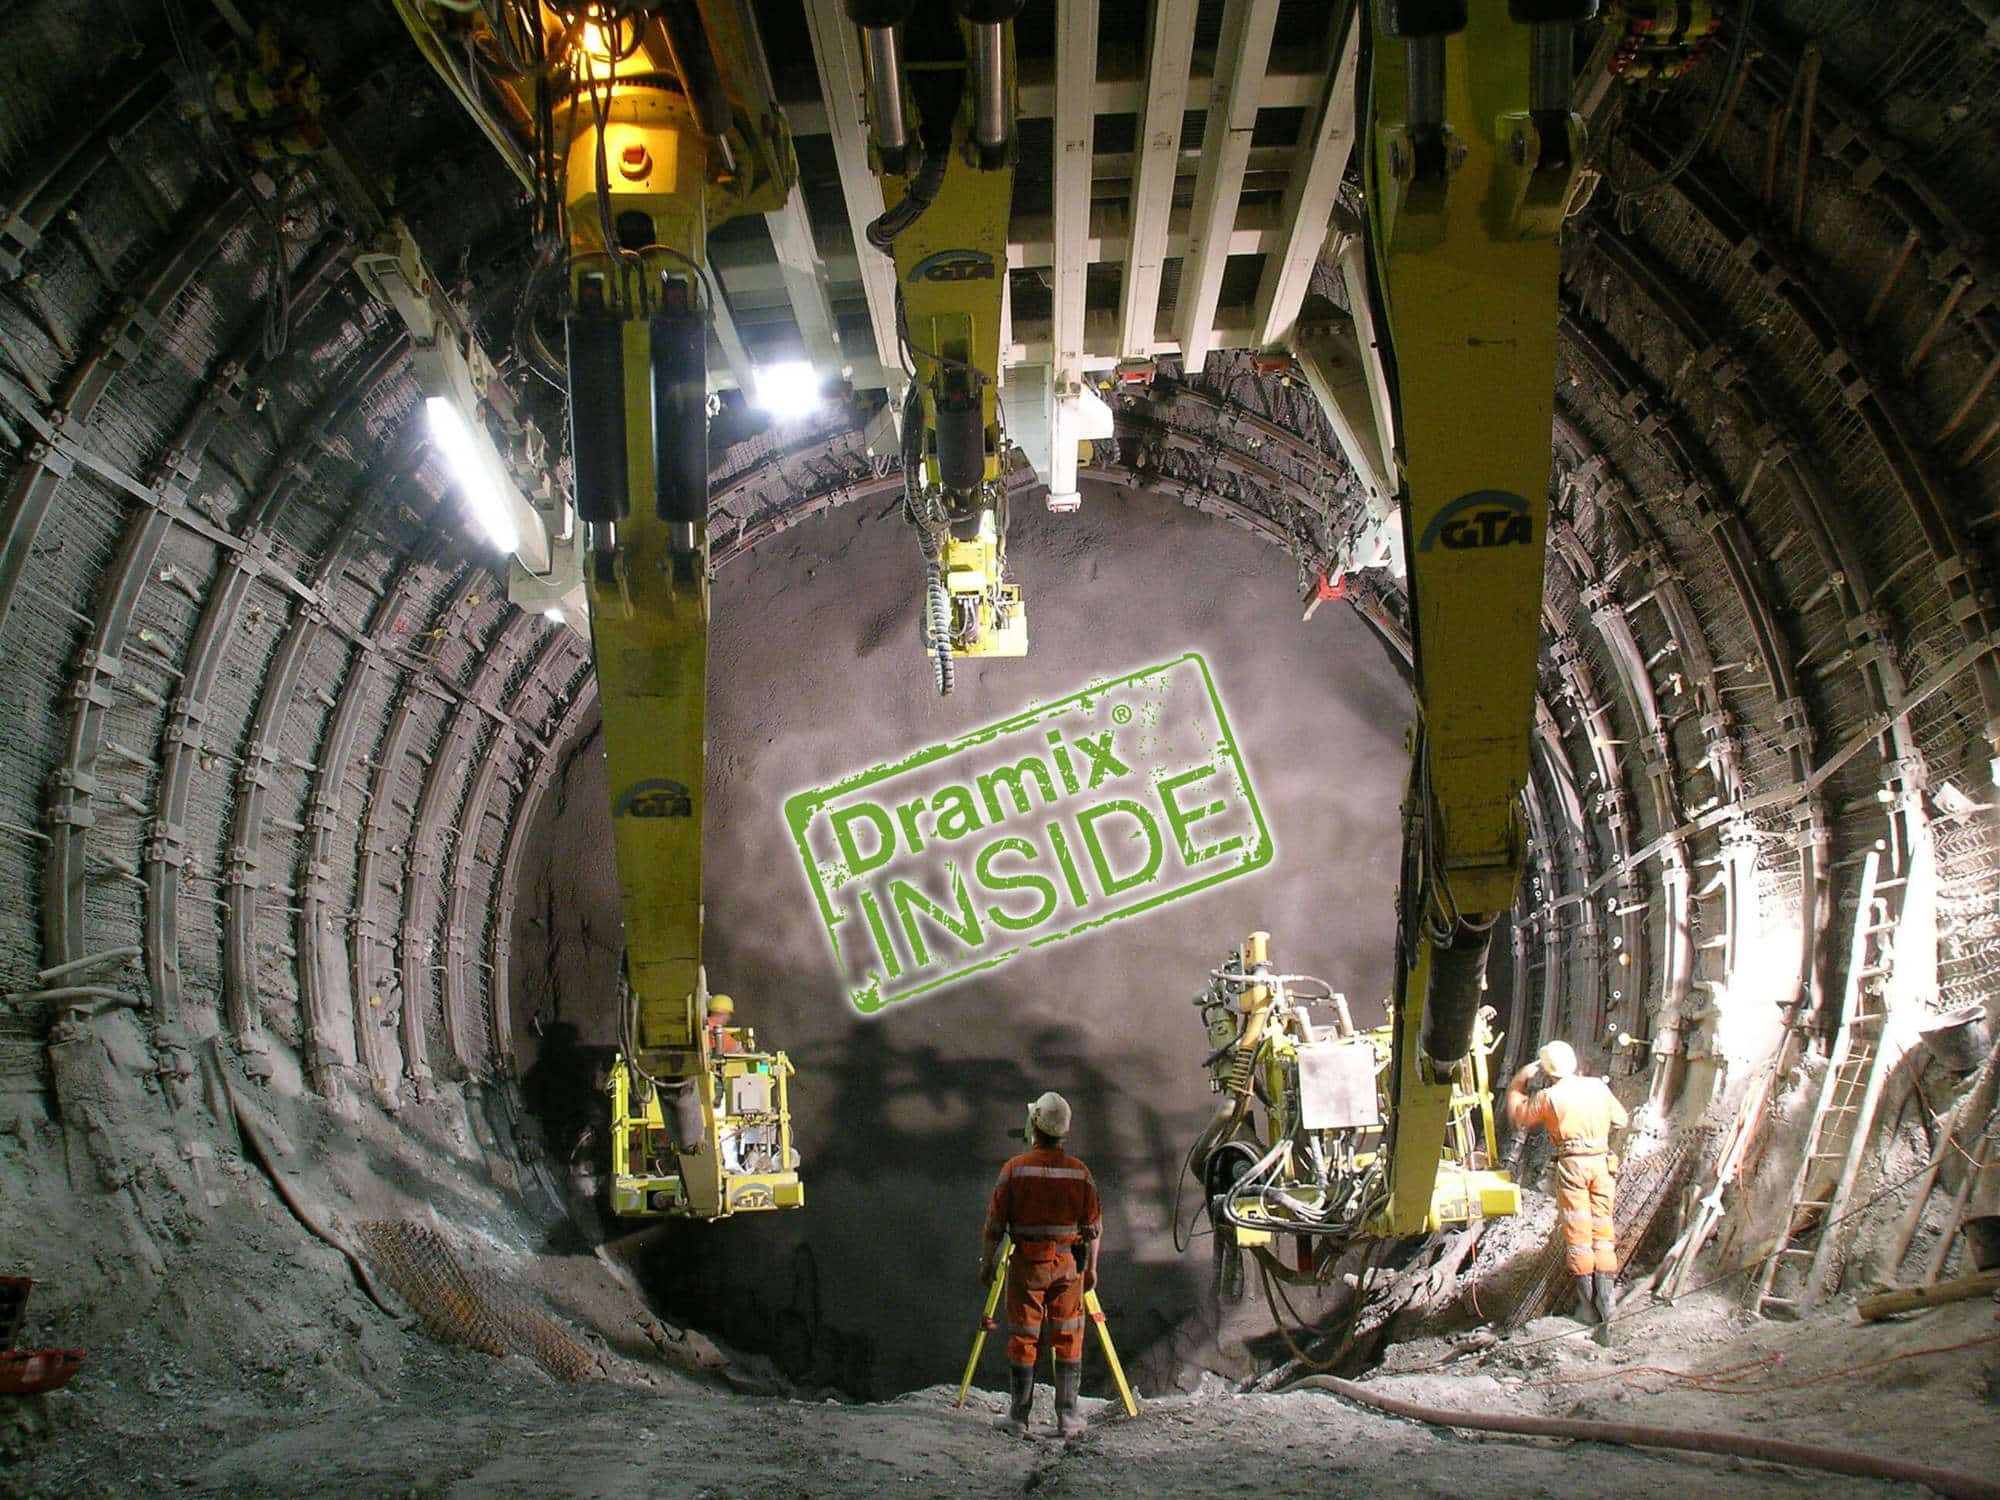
<point x="272" y="729"/>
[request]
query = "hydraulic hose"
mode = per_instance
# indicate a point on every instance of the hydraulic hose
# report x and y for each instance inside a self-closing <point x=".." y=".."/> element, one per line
<point x="923" y="190"/>
<point x="1948" y="1482"/>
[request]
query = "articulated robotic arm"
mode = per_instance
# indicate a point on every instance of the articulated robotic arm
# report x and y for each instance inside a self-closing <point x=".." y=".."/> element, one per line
<point x="1471" y="156"/>
<point x="636" y="126"/>
<point x="941" y="98"/>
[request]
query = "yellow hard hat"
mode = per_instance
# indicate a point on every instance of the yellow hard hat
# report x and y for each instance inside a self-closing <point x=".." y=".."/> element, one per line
<point x="721" y="1003"/>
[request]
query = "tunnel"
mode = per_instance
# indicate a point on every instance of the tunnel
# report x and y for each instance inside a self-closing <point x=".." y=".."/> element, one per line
<point x="312" y="966"/>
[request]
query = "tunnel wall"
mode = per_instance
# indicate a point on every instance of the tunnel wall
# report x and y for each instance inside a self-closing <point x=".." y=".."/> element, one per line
<point x="269" y="723"/>
<point x="903" y="1117"/>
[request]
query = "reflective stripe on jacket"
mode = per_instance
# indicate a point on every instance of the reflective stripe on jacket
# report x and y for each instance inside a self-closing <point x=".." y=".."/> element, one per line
<point x="1044" y="1198"/>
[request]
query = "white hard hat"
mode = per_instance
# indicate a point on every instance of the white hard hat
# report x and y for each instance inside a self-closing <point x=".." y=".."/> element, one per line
<point x="1558" y="1059"/>
<point x="1050" y="1115"/>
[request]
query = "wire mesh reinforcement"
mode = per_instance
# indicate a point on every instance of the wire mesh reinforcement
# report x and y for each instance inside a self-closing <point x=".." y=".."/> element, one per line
<point x="471" y="1307"/>
<point x="1646" y="1187"/>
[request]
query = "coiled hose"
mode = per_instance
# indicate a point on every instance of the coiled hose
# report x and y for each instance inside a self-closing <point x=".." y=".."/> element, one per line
<point x="937" y="614"/>
<point x="1947" y="1482"/>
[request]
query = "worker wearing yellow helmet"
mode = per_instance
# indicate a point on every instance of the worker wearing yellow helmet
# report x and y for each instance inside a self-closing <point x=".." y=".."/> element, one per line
<point x="722" y="1017"/>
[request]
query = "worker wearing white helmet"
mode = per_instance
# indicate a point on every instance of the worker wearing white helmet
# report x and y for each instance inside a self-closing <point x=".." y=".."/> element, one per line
<point x="1579" y="1114"/>
<point x="1046" y="1203"/>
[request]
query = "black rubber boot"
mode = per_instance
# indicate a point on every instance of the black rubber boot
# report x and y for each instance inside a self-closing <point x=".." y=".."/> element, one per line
<point x="1021" y="1391"/>
<point x="1586" y="1299"/>
<point x="1069" y="1418"/>
<point x="1605" y="1284"/>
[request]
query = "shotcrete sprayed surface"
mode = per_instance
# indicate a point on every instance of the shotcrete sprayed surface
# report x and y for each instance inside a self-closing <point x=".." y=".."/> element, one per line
<point x="904" y="1117"/>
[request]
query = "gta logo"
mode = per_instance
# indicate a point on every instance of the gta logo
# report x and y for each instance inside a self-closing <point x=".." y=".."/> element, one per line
<point x="654" y="799"/>
<point x="1484" y="518"/>
<point x="1096" y="807"/>
<point x="954" y="265"/>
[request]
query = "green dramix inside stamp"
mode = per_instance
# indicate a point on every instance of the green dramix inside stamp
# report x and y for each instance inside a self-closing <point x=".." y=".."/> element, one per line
<point x="1071" y="815"/>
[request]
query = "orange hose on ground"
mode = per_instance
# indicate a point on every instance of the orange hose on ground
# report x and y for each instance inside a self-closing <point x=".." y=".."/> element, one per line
<point x="1947" y="1482"/>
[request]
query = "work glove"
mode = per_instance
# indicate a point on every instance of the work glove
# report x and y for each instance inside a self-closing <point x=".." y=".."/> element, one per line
<point x="986" y="1273"/>
<point x="1089" y="1279"/>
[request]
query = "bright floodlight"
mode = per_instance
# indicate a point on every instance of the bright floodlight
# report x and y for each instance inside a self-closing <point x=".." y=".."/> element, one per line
<point x="788" y="389"/>
<point x="470" y="468"/>
<point x="554" y="614"/>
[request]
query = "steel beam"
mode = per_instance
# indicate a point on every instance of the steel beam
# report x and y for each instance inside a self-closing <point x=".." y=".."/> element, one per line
<point x="1296" y="80"/>
<point x="1075" y="122"/>
<point x="1240" y="58"/>
<point x="1311" y="195"/>
<point x="1876" y="395"/>
<point x="386" y="830"/>
<point x="844" y="86"/>
<point x="1168" y="55"/>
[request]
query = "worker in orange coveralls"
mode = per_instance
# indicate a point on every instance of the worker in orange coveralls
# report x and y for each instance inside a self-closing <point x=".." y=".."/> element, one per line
<point x="1579" y="1114"/>
<point x="1046" y="1203"/>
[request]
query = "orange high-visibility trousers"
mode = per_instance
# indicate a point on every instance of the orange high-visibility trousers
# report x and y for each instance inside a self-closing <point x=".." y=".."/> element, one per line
<point x="1044" y="1299"/>
<point x="1583" y="1200"/>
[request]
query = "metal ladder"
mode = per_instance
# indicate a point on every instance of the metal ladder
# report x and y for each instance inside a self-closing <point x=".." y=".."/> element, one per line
<point x="1848" y="1093"/>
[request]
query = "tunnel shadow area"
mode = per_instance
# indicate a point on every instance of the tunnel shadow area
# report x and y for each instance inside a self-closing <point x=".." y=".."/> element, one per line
<point x="872" y="1289"/>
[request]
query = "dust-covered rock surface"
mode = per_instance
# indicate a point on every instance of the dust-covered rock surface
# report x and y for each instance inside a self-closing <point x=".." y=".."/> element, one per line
<point x="460" y="1424"/>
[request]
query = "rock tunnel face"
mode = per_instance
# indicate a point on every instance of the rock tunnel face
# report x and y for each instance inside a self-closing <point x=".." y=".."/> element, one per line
<point x="309" y="926"/>
<point x="904" y="1117"/>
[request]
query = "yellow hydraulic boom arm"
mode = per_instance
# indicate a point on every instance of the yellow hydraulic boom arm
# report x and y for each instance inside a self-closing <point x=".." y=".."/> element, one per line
<point x="941" y="92"/>
<point x="639" y="126"/>
<point x="1471" y="155"/>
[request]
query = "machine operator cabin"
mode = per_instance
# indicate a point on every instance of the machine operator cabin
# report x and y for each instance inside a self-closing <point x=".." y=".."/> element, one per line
<point x="948" y="747"/>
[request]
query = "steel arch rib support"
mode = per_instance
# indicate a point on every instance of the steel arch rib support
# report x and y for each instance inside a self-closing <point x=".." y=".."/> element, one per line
<point x="1575" y="841"/>
<point x="1594" y="470"/>
<point x="123" y="335"/>
<point x="559" y="646"/>
<point x="1598" y="596"/>
<point x="436" y="806"/>
<point x="500" y="942"/>
<point x="1168" y="57"/>
<point x="1657" y="420"/>
<point x="322" y="954"/>
<point x="373" y="922"/>
<point x="183" y="737"/>
<point x="1242" y="55"/>
<point x="1869" y="390"/>
<point x="245" y="827"/>
<point x="64" y="170"/>
<point x="1873" y="640"/>
<point x="172" y="475"/>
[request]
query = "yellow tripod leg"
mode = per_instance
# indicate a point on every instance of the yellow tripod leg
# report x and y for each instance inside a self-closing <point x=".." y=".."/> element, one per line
<point x="1096" y="1310"/>
<point x="986" y="1323"/>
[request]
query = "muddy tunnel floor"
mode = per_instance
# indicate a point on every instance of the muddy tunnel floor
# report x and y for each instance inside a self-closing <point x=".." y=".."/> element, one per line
<point x="902" y="1118"/>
